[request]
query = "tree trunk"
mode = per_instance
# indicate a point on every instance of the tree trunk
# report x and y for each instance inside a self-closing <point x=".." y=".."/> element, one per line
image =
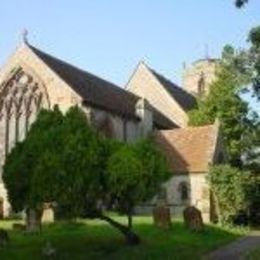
<point x="130" y="236"/>
<point x="130" y="221"/>
<point x="33" y="220"/>
<point x="129" y="216"/>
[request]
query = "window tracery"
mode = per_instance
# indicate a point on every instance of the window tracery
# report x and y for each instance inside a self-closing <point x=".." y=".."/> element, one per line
<point x="21" y="97"/>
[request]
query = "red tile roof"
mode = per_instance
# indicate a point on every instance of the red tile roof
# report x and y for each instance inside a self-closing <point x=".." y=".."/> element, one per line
<point x="188" y="149"/>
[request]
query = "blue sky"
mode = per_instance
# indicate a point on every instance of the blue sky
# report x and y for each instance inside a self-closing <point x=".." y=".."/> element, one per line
<point x="108" y="38"/>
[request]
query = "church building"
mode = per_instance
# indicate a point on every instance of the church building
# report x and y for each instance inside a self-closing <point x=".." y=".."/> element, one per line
<point x="32" y="79"/>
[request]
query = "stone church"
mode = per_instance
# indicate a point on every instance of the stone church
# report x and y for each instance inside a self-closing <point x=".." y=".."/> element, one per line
<point x="32" y="79"/>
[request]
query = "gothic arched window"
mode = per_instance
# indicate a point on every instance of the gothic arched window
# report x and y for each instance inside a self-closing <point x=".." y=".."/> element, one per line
<point x="21" y="96"/>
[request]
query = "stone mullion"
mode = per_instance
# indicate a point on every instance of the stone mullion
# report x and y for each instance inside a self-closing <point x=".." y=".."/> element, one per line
<point x="17" y="126"/>
<point x="18" y="114"/>
<point x="38" y="102"/>
<point x="27" y="113"/>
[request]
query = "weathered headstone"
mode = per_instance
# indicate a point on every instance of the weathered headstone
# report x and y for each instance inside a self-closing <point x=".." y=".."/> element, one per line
<point x="162" y="217"/>
<point x="4" y="238"/>
<point x="162" y="213"/>
<point x="193" y="219"/>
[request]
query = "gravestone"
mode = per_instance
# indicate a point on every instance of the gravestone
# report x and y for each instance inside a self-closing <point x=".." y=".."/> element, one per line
<point x="193" y="219"/>
<point x="162" y="217"/>
<point x="4" y="238"/>
<point x="162" y="213"/>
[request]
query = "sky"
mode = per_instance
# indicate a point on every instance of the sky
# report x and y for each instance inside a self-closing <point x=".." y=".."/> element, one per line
<point x="109" y="38"/>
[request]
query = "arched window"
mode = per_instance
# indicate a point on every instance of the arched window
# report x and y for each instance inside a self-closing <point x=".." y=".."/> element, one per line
<point x="183" y="191"/>
<point x="17" y="93"/>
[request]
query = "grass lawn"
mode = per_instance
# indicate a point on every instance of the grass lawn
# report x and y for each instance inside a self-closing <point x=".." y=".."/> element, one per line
<point x="254" y="255"/>
<point x="98" y="240"/>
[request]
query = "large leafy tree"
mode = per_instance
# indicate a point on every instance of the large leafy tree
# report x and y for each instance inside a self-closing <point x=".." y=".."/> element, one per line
<point x="230" y="187"/>
<point x="136" y="173"/>
<point x="238" y="123"/>
<point x="241" y="3"/>
<point x="254" y="58"/>
<point x="63" y="160"/>
<point x="25" y="171"/>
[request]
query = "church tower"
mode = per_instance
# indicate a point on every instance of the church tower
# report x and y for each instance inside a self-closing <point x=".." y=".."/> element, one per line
<point x="199" y="75"/>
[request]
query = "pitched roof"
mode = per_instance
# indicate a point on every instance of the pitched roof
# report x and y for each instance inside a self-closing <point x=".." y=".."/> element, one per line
<point x="161" y="121"/>
<point x="188" y="149"/>
<point x="183" y="98"/>
<point x="94" y="90"/>
<point x="98" y="92"/>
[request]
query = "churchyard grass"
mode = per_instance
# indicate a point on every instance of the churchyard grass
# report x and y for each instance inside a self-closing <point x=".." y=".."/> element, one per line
<point x="92" y="239"/>
<point x="254" y="255"/>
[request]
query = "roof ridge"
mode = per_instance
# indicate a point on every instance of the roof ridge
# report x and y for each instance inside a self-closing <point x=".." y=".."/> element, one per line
<point x="189" y="128"/>
<point x="112" y="84"/>
<point x="166" y="78"/>
<point x="185" y="99"/>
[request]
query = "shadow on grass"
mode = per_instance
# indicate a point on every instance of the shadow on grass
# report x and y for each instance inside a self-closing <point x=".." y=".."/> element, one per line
<point x="97" y="240"/>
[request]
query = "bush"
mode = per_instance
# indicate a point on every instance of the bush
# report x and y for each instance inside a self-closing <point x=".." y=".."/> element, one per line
<point x="230" y="188"/>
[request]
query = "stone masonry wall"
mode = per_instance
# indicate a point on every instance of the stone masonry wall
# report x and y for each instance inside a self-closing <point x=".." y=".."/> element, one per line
<point x="198" y="196"/>
<point x="145" y="85"/>
<point x="192" y="75"/>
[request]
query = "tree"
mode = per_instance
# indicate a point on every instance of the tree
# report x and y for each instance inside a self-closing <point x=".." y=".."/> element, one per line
<point x="24" y="172"/>
<point x="66" y="162"/>
<point x="136" y="173"/>
<point x="238" y="123"/>
<point x="230" y="188"/>
<point x="126" y="175"/>
<point x="241" y="3"/>
<point x="254" y="58"/>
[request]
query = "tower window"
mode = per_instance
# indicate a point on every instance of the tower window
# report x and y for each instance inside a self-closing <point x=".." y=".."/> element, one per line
<point x="201" y="84"/>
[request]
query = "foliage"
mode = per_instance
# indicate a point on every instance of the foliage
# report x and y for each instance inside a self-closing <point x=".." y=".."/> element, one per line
<point x="224" y="102"/>
<point x="79" y="164"/>
<point x="254" y="58"/>
<point x="253" y="255"/>
<point x="93" y="239"/>
<point x="24" y="172"/>
<point x="63" y="160"/>
<point x="136" y="173"/>
<point x="230" y="188"/>
<point x="241" y="3"/>
<point x="154" y="164"/>
<point x="126" y="175"/>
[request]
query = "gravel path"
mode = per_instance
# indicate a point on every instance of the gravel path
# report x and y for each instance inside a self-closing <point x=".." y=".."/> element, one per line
<point x="238" y="249"/>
